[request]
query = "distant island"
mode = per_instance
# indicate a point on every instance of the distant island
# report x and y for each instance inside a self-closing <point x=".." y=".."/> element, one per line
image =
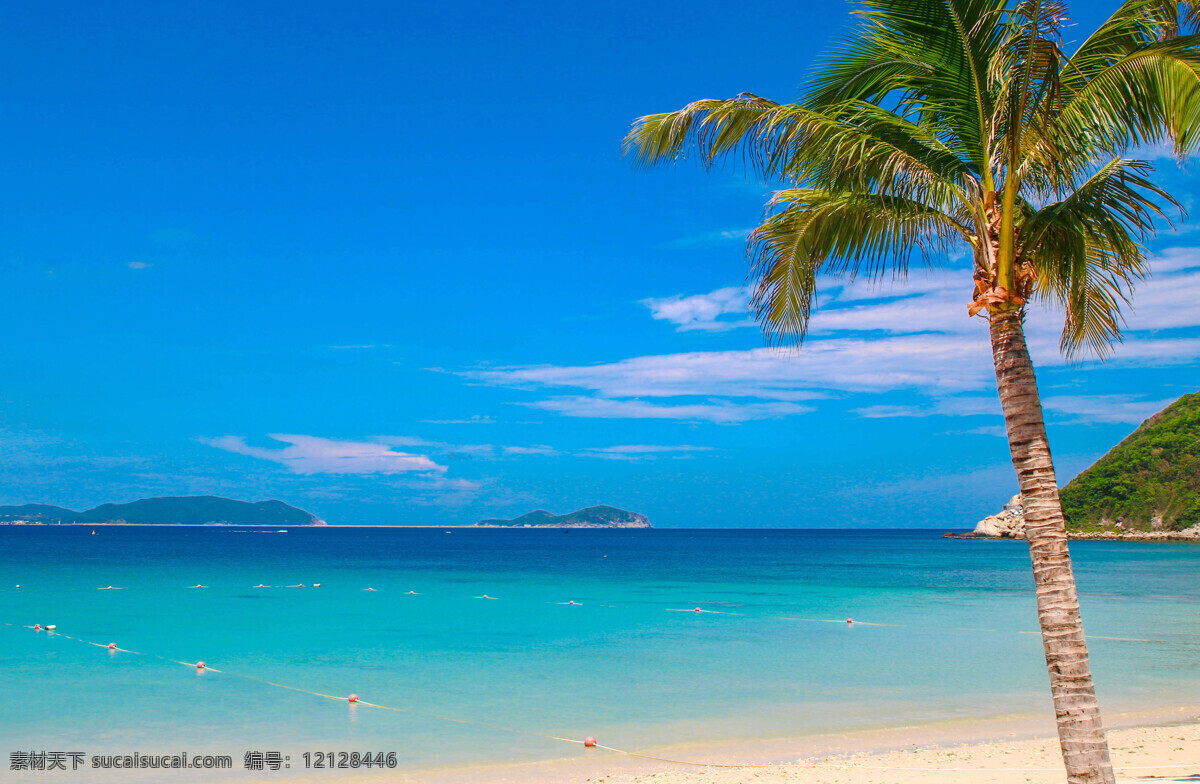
<point x="181" y="510"/>
<point x="1146" y="488"/>
<point x="592" y="517"/>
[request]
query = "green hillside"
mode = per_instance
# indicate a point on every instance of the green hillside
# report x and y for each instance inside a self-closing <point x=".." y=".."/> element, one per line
<point x="1154" y="471"/>
<point x="36" y="512"/>
<point x="592" y="517"/>
<point x="197" y="510"/>
<point x="185" y="510"/>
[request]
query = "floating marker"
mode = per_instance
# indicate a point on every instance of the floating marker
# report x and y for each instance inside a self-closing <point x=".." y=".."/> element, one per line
<point x="50" y="627"/>
<point x="849" y="620"/>
<point x="316" y="585"/>
<point x="589" y="741"/>
<point x="352" y="698"/>
<point x="199" y="665"/>
<point x="698" y="609"/>
<point x="112" y="646"/>
<point x="571" y="602"/>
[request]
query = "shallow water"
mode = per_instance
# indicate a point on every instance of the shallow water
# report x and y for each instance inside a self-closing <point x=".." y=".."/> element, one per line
<point x="631" y="662"/>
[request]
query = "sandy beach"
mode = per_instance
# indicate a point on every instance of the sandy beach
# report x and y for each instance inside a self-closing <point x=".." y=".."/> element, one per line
<point x="1139" y="754"/>
<point x="1166" y="750"/>
<point x="1003" y="751"/>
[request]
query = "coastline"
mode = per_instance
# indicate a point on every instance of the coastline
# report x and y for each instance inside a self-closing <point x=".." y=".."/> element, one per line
<point x="1009" y="742"/>
<point x="1093" y="536"/>
<point x="1162" y="744"/>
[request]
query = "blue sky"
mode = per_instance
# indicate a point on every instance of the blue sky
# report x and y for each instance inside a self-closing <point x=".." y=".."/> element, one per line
<point x="385" y="262"/>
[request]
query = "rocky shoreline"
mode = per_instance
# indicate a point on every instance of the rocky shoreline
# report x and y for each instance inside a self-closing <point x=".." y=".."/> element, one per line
<point x="1009" y="523"/>
<point x="1190" y="535"/>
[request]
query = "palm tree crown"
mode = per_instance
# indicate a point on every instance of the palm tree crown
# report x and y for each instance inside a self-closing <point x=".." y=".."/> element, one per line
<point x="943" y="122"/>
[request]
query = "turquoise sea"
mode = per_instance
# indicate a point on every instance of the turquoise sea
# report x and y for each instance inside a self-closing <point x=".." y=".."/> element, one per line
<point x="944" y="630"/>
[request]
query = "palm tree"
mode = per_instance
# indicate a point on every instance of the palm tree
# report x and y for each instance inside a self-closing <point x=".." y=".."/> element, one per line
<point x="943" y="123"/>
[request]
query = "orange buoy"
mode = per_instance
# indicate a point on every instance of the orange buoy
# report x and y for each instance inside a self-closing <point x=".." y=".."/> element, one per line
<point x="571" y="602"/>
<point x="697" y="609"/>
<point x="352" y="698"/>
<point x="589" y="741"/>
<point x="199" y="665"/>
<point x="112" y="646"/>
<point x="37" y="627"/>
<point x="849" y="620"/>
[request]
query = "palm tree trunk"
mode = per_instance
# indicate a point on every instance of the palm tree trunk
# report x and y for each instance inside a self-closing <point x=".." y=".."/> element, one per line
<point x="1084" y="745"/>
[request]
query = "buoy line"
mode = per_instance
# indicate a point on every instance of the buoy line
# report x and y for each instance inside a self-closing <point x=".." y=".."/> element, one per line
<point x="588" y="742"/>
<point x="849" y="622"/>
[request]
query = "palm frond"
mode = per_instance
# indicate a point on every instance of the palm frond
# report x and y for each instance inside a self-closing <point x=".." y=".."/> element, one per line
<point x="708" y="128"/>
<point x="845" y="233"/>
<point x="929" y="57"/>
<point x="1087" y="253"/>
<point x="1146" y="95"/>
<point x="875" y="150"/>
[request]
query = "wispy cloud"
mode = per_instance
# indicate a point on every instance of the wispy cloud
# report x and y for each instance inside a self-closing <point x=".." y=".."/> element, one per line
<point x="634" y="452"/>
<point x="710" y="238"/>
<point x="475" y="419"/>
<point x="139" y="265"/>
<point x="714" y="411"/>
<point x="960" y="405"/>
<point x="1104" y="409"/>
<point x="314" y="455"/>
<point x="997" y="431"/>
<point x="537" y="449"/>
<point x="946" y="362"/>
<point x="866" y="337"/>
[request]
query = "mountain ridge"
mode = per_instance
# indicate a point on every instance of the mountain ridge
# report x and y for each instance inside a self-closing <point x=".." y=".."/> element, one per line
<point x="591" y="517"/>
<point x="167" y="510"/>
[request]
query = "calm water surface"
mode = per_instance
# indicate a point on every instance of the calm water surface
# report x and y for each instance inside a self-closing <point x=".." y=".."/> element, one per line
<point x="631" y="662"/>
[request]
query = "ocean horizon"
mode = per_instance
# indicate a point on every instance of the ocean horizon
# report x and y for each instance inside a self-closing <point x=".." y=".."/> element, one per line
<point x="641" y="638"/>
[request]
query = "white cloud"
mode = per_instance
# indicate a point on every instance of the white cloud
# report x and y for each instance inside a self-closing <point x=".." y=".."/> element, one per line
<point x="703" y="311"/>
<point x="314" y="455"/>
<point x="537" y="449"/>
<point x="923" y="341"/>
<point x="139" y="265"/>
<point x="715" y="411"/>
<point x="938" y="362"/>
<point x="890" y="412"/>
<point x="475" y="419"/>
<point x="1174" y="260"/>
<point x="642" y="451"/>
<point x="480" y="451"/>
<point x="1104" y="409"/>
<point x="1166" y="301"/>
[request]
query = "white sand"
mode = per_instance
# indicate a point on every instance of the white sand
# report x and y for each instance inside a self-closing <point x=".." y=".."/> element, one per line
<point x="1164" y="748"/>
<point x="959" y="753"/>
<point x="1159" y="754"/>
